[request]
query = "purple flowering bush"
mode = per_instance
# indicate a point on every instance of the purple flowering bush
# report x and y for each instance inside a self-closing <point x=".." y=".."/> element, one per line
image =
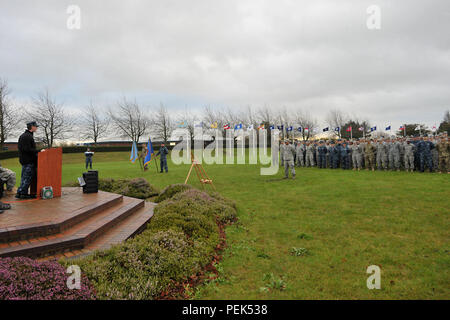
<point x="27" y="279"/>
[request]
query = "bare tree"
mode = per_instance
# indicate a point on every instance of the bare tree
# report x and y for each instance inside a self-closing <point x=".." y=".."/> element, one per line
<point x="53" y="120"/>
<point x="189" y="119"/>
<point x="305" y="121"/>
<point x="162" y="124"/>
<point x="336" y="119"/>
<point x="129" y="119"/>
<point x="94" y="124"/>
<point x="8" y="115"/>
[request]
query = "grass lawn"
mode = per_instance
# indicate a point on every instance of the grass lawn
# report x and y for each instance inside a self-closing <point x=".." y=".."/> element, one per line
<point x="345" y="220"/>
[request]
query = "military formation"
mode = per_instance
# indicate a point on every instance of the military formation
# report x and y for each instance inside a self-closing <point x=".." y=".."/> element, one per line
<point x="428" y="153"/>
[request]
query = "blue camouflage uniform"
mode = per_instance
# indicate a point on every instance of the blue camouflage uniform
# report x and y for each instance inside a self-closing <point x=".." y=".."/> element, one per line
<point x="345" y="156"/>
<point x="163" y="152"/>
<point x="424" y="150"/>
<point x="322" y="156"/>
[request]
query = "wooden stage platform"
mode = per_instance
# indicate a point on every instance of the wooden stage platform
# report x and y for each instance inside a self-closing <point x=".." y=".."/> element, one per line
<point x="72" y="225"/>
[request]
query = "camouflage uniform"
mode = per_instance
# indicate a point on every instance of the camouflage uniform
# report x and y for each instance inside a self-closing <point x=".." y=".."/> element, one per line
<point x="357" y="152"/>
<point x="310" y="150"/>
<point x="369" y="156"/>
<point x="300" y="150"/>
<point x="394" y="155"/>
<point x="409" y="156"/>
<point x="443" y="148"/>
<point x="288" y="158"/>
<point x="9" y="177"/>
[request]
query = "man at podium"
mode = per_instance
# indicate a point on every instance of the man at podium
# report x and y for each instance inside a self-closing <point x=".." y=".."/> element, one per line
<point x="28" y="160"/>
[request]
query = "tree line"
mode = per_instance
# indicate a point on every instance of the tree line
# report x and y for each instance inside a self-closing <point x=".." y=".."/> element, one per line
<point x="130" y="120"/>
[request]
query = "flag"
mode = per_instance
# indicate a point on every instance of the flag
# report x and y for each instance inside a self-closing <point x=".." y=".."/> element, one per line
<point x="280" y="127"/>
<point x="214" y="125"/>
<point x="226" y="127"/>
<point x="361" y="129"/>
<point x="272" y="127"/>
<point x="261" y="127"/>
<point x="306" y="129"/>
<point x="373" y="129"/>
<point x="150" y="152"/>
<point x="134" y="152"/>
<point x="238" y="126"/>
<point x="402" y="128"/>
<point x="289" y="128"/>
<point x="337" y="129"/>
<point x="249" y="127"/>
<point x="326" y="129"/>
<point x="349" y="129"/>
<point x="299" y="129"/>
<point x="388" y="128"/>
<point x="182" y="124"/>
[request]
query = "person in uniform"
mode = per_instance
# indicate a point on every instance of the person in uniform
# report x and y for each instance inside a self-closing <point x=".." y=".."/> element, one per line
<point x="357" y="153"/>
<point x="334" y="156"/>
<point x="163" y="152"/>
<point x="443" y="148"/>
<point x="345" y="156"/>
<point x="28" y="160"/>
<point x="288" y="157"/>
<point x="89" y="154"/>
<point x="8" y="177"/>
<point x="394" y="155"/>
<point x="424" y="149"/>
<point x="369" y="155"/>
<point x="309" y="159"/>
<point x="410" y="149"/>
<point x="322" y="155"/>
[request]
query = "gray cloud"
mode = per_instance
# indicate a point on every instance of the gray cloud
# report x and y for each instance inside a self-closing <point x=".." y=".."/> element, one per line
<point x="315" y="55"/>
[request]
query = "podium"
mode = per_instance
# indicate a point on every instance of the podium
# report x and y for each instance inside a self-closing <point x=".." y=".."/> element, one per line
<point x="49" y="172"/>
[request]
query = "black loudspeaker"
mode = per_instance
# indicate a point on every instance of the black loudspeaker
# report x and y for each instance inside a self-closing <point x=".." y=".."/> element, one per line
<point x="91" y="180"/>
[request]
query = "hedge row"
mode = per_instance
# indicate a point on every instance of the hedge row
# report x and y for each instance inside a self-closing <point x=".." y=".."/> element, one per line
<point x="179" y="241"/>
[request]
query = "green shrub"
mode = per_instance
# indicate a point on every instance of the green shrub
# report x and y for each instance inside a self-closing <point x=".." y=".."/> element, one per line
<point x="179" y="241"/>
<point x="143" y="267"/>
<point x="172" y="190"/>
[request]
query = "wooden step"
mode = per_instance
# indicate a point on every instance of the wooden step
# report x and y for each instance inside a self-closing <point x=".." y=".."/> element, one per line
<point x="123" y="231"/>
<point x="75" y="238"/>
<point x="60" y="223"/>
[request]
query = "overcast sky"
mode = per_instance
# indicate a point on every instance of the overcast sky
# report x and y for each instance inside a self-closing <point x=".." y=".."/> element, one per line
<point x="315" y="55"/>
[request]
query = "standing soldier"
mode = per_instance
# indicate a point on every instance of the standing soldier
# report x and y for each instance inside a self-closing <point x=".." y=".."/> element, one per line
<point x="322" y="155"/>
<point x="163" y="152"/>
<point x="369" y="155"/>
<point x="288" y="157"/>
<point x="89" y="154"/>
<point x="443" y="148"/>
<point x="394" y="155"/>
<point x="357" y="153"/>
<point x="310" y="150"/>
<point x="424" y="148"/>
<point x="345" y="156"/>
<point x="300" y="157"/>
<point x="333" y="156"/>
<point x="409" y="156"/>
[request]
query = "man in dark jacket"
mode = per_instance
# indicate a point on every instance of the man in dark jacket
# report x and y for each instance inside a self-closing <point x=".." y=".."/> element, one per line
<point x="163" y="152"/>
<point x="28" y="160"/>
